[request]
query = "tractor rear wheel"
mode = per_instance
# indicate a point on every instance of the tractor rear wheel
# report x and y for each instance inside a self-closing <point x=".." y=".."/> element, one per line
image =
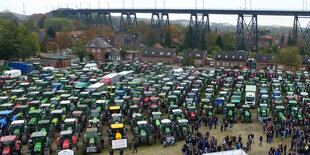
<point x="74" y="149"/>
<point x="137" y="140"/>
<point x="99" y="147"/>
<point x="150" y="140"/>
<point x="47" y="152"/>
<point x="84" y="149"/>
<point x="24" y="139"/>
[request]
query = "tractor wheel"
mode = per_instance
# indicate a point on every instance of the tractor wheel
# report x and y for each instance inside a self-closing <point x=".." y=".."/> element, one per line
<point x="74" y="149"/>
<point x="137" y="140"/>
<point x="24" y="139"/>
<point x="84" y="149"/>
<point x="180" y="136"/>
<point x="99" y="147"/>
<point x="47" y="152"/>
<point x="150" y="140"/>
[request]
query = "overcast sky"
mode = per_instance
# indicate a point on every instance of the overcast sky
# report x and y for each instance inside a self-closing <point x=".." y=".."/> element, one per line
<point x="42" y="6"/>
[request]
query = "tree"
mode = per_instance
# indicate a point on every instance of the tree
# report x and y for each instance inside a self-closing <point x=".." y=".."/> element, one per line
<point x="188" y="61"/>
<point x="210" y="40"/>
<point x="219" y="42"/>
<point x="282" y="39"/>
<point x="203" y="44"/>
<point x="228" y="41"/>
<point x="63" y="40"/>
<point x="40" y="23"/>
<point x="80" y="26"/>
<point x="51" y="32"/>
<point x="291" y="41"/>
<point x="29" y="24"/>
<point x="302" y="51"/>
<point x="105" y="31"/>
<point x="191" y="37"/>
<point x="86" y="36"/>
<point x="58" y="23"/>
<point x="79" y="50"/>
<point x="290" y="57"/>
<point x="16" y="42"/>
<point x="123" y="51"/>
<point x="167" y="40"/>
<point x="151" y="39"/>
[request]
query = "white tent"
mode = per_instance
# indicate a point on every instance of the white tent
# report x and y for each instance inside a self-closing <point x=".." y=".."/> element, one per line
<point x="230" y="152"/>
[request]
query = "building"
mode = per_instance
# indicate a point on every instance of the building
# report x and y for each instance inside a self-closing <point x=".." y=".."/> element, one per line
<point x="129" y="40"/>
<point x="269" y="61"/>
<point x="159" y="55"/>
<point x="110" y="40"/>
<point x="230" y="59"/>
<point x="55" y="61"/>
<point x="102" y="50"/>
<point x="132" y="55"/>
<point x="265" y="41"/>
<point x="200" y="57"/>
<point x="305" y="63"/>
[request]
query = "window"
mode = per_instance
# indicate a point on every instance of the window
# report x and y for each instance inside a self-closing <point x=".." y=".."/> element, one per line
<point x="161" y="53"/>
<point x="88" y="49"/>
<point x="261" y="66"/>
<point x="197" y="55"/>
<point x="160" y="60"/>
<point x="99" y="49"/>
<point x="241" y="64"/>
<point x="225" y="56"/>
<point x="227" y="63"/>
<point x="168" y="53"/>
<point x="128" y="56"/>
<point x="153" y="53"/>
<point x="233" y="57"/>
<point x="152" y="60"/>
<point x="145" y="60"/>
<point x="217" y="63"/>
<point x="93" y="49"/>
<point x="223" y="63"/>
<point x="99" y="56"/>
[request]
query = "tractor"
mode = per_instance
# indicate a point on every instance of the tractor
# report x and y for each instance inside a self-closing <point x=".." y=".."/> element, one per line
<point x="143" y="133"/>
<point x="116" y="119"/>
<point x="6" y="117"/>
<point x="166" y="129"/>
<point x="279" y="113"/>
<point x="39" y="144"/>
<point x="155" y="121"/>
<point x="34" y="117"/>
<point x="230" y="112"/>
<point x="176" y="115"/>
<point x="182" y="128"/>
<point x="46" y="126"/>
<point x="135" y="118"/>
<point x="191" y="114"/>
<point x="209" y="111"/>
<point x="81" y="118"/>
<point x="219" y="104"/>
<point x="71" y="124"/>
<point x="117" y="132"/>
<point x="134" y="109"/>
<point x="67" y="140"/>
<point x="171" y="100"/>
<point x="297" y="115"/>
<point x="19" y="128"/>
<point x="263" y="113"/>
<point x="57" y="117"/>
<point x="246" y="113"/>
<point x="10" y="145"/>
<point x="22" y="112"/>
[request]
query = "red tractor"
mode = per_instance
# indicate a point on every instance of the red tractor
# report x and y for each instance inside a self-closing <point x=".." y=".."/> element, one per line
<point x="191" y="114"/>
<point x="67" y="140"/>
<point x="137" y="101"/>
<point x="155" y="101"/>
<point x="10" y="145"/>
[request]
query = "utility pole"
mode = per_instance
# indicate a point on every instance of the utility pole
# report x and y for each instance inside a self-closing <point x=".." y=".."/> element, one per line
<point x="80" y="5"/>
<point x="155" y="4"/>
<point x="132" y="4"/>
<point x="98" y="4"/>
<point x="203" y="4"/>
<point x="89" y="5"/>
<point x="24" y="9"/>
<point x="195" y="4"/>
<point x="123" y="4"/>
<point x="244" y="4"/>
<point x="164" y="4"/>
<point x="250" y="4"/>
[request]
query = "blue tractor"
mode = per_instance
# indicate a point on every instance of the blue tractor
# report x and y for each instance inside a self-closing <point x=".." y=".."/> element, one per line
<point x="56" y="86"/>
<point x="6" y="117"/>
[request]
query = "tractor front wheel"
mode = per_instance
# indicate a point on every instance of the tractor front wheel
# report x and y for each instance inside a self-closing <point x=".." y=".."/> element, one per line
<point x="24" y="139"/>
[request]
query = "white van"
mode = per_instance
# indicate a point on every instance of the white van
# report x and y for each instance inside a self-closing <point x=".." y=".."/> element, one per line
<point x="12" y="73"/>
<point x="91" y="66"/>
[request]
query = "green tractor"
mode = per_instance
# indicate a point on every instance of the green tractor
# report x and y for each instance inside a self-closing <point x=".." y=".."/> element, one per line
<point x="46" y="126"/>
<point x="155" y="121"/>
<point x="230" y="112"/>
<point x="22" y="112"/>
<point x="246" y="113"/>
<point x="143" y="133"/>
<point x="57" y="117"/>
<point x="263" y="113"/>
<point x="209" y="111"/>
<point x="171" y="100"/>
<point x="297" y="115"/>
<point x="47" y="96"/>
<point x="166" y="129"/>
<point x="34" y="117"/>
<point x="176" y="115"/>
<point x="39" y="144"/>
<point x="182" y="128"/>
<point x="67" y="140"/>
<point x="279" y="113"/>
<point x="19" y="128"/>
<point x="135" y="118"/>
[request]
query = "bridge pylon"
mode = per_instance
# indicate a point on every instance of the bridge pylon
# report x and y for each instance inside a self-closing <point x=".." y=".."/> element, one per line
<point x="301" y="32"/>
<point x="127" y="19"/>
<point x="200" y="24"/>
<point x="246" y="37"/>
<point x="104" y="19"/>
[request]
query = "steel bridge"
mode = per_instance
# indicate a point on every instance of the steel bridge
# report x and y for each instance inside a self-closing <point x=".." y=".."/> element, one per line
<point x="246" y="36"/>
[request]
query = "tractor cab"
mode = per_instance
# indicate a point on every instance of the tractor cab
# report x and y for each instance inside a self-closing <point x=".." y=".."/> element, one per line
<point x="21" y="101"/>
<point x="246" y="113"/>
<point x="280" y="113"/>
<point x="21" y="112"/>
<point x="34" y="95"/>
<point x="116" y="119"/>
<point x="230" y="112"/>
<point x="117" y="132"/>
<point x="114" y="109"/>
<point x="120" y="93"/>
<point x="56" y="86"/>
<point x="155" y="118"/>
<point x="172" y="100"/>
<point x="176" y="115"/>
<point x="6" y="106"/>
<point x="47" y="96"/>
<point x="66" y="106"/>
<point x="64" y="96"/>
<point x="4" y="99"/>
<point x="166" y="128"/>
<point x="57" y="117"/>
<point x="67" y="140"/>
<point x="39" y="143"/>
<point x="45" y="126"/>
<point x="10" y="145"/>
<point x="71" y="124"/>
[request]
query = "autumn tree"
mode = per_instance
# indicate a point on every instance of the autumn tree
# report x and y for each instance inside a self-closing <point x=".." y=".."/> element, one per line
<point x="151" y="38"/>
<point x="79" y="50"/>
<point x="104" y="31"/>
<point x="87" y="35"/>
<point x="63" y="40"/>
<point x="290" y="57"/>
<point x="188" y="61"/>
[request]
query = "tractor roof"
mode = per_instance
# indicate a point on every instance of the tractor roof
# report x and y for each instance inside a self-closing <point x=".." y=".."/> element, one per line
<point x="17" y="91"/>
<point x="22" y="98"/>
<point x="3" y="97"/>
<point x="156" y="113"/>
<point x="36" y="111"/>
<point x="230" y="105"/>
<point x="35" y="102"/>
<point x="280" y="107"/>
<point x="72" y="98"/>
<point x="38" y="134"/>
<point x="65" y="95"/>
<point x="91" y="130"/>
<point x="66" y="132"/>
<point x="117" y="126"/>
<point x="69" y="120"/>
<point x="116" y="115"/>
<point x="176" y="110"/>
<point x="182" y="120"/>
<point x="44" y="121"/>
<point x="93" y="120"/>
<point x="263" y="105"/>
<point x="45" y="105"/>
<point x="6" y="105"/>
<point x="77" y="112"/>
<point x="65" y="102"/>
<point x="8" y="138"/>
<point x="136" y="115"/>
<point x="48" y="93"/>
<point x="165" y="121"/>
<point x="18" y="122"/>
<point x="114" y="107"/>
<point x="136" y="99"/>
<point x="245" y="106"/>
<point x="100" y="101"/>
<point x="82" y="106"/>
<point x="57" y="111"/>
<point x="22" y="107"/>
<point x="142" y="122"/>
<point x="6" y="112"/>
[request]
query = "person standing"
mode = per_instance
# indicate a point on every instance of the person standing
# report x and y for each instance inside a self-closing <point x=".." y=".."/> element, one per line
<point x="261" y="141"/>
<point x="111" y="152"/>
<point x="130" y="144"/>
<point x="252" y="137"/>
<point x="135" y="145"/>
<point x="121" y="152"/>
